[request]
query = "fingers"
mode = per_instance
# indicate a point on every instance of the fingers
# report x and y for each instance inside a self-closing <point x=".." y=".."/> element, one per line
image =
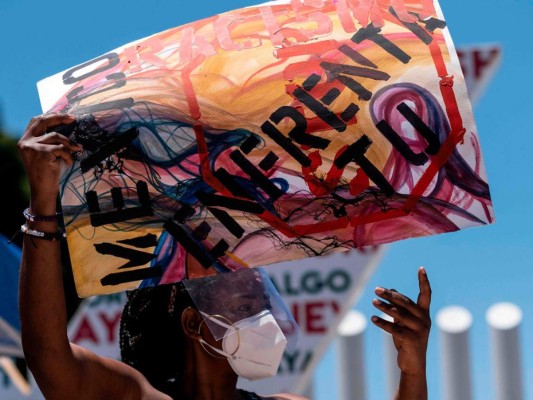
<point x="410" y="326"/>
<point x="63" y="152"/>
<point x="39" y="125"/>
<point x="56" y="138"/>
<point x="400" y="301"/>
<point x="424" y="298"/>
<point x="400" y="315"/>
<point x="54" y="145"/>
<point x="402" y="309"/>
<point x="387" y="326"/>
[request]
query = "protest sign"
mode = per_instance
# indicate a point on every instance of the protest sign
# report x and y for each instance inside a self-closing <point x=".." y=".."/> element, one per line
<point x="11" y="378"/>
<point x="319" y="291"/>
<point x="479" y="63"/>
<point x="96" y="324"/>
<point x="266" y="134"/>
<point x="10" y="343"/>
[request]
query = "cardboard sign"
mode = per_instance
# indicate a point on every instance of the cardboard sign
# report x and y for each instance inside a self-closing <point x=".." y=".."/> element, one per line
<point x="266" y="134"/>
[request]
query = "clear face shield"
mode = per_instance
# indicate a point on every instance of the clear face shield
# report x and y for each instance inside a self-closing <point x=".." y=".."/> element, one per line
<point x="226" y="299"/>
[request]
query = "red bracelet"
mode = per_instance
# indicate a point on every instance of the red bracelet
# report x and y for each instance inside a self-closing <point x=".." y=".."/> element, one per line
<point x="40" y="218"/>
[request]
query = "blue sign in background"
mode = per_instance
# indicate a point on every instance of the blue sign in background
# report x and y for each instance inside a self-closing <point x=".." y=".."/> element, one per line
<point x="10" y="256"/>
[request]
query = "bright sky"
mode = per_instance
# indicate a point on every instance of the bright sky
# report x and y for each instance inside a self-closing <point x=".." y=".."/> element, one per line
<point x="474" y="268"/>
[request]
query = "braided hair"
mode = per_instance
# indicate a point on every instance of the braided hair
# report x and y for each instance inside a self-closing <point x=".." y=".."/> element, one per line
<point x="151" y="337"/>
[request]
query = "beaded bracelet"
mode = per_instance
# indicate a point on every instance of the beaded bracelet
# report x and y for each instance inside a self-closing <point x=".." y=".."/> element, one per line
<point x="40" y="218"/>
<point x="58" y="235"/>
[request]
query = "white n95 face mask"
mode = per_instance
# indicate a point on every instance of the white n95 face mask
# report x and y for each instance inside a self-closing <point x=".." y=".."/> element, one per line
<point x="253" y="346"/>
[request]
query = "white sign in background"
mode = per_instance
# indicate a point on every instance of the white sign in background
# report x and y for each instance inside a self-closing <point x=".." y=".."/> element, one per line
<point x="96" y="324"/>
<point x="318" y="291"/>
<point x="479" y="64"/>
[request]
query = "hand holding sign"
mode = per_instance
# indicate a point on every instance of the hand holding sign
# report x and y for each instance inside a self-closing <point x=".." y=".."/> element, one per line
<point x="42" y="149"/>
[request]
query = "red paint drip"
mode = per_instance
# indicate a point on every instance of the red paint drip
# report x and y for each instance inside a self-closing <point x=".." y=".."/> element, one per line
<point x="360" y="183"/>
<point x="446" y="80"/>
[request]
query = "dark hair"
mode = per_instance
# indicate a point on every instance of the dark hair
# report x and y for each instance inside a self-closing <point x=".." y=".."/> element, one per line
<point x="151" y="337"/>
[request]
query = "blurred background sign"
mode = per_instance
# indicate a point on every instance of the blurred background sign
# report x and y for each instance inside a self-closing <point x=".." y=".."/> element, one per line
<point x="479" y="64"/>
<point x="9" y="321"/>
<point x="10" y="343"/>
<point x="319" y="291"/>
<point x="96" y="324"/>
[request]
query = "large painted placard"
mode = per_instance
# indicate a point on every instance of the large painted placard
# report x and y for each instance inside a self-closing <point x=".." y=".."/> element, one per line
<point x="270" y="133"/>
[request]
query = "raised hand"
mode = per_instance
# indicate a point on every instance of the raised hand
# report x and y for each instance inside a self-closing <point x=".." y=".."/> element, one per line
<point x="42" y="150"/>
<point x="410" y="326"/>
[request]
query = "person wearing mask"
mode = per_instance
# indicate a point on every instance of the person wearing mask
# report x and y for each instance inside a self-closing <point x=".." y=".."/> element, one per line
<point x="177" y="341"/>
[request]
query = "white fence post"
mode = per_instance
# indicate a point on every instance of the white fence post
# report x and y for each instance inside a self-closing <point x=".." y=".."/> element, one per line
<point x="454" y="323"/>
<point x="350" y="355"/>
<point x="504" y="321"/>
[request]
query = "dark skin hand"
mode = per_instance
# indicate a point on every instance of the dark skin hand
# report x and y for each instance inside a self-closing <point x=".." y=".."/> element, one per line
<point x="62" y="369"/>
<point x="410" y="332"/>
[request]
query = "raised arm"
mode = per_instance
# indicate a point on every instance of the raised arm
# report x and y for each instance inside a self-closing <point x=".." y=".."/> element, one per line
<point x="410" y="332"/>
<point x="62" y="370"/>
